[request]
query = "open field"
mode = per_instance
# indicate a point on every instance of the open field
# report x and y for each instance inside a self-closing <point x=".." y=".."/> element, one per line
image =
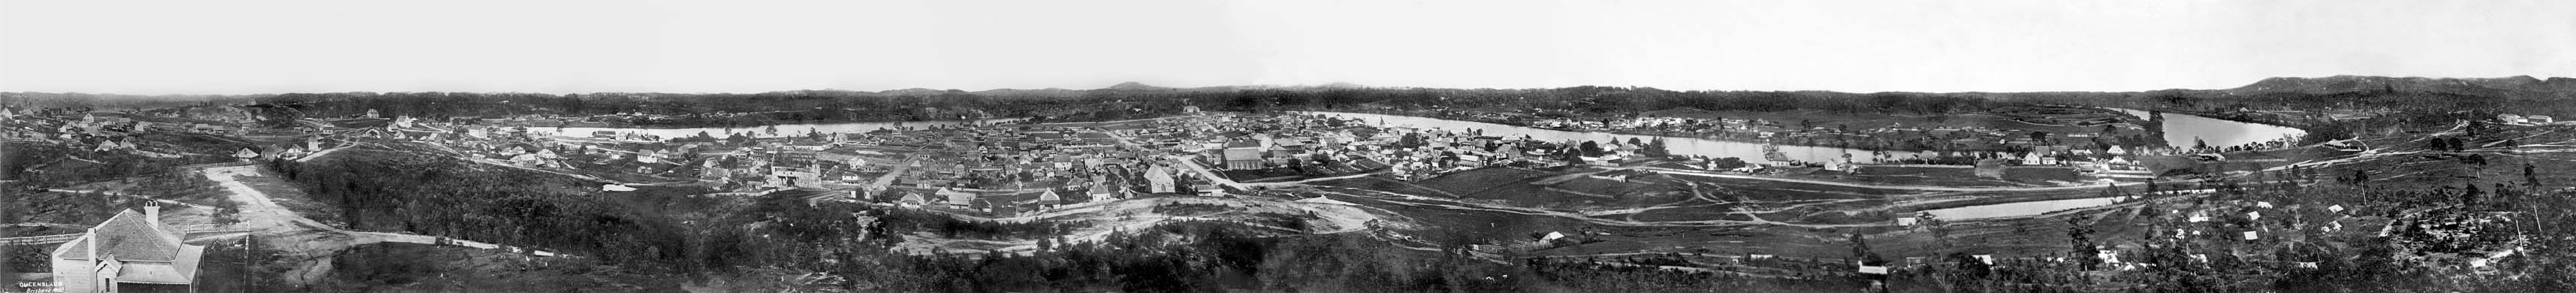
<point x="1965" y="177"/>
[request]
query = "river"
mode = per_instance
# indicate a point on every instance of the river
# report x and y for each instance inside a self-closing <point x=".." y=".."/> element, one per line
<point x="2181" y="129"/>
<point x="1749" y="151"/>
<point x="762" y="131"/>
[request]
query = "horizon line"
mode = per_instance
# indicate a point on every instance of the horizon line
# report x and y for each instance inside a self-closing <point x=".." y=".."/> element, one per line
<point x="1328" y="85"/>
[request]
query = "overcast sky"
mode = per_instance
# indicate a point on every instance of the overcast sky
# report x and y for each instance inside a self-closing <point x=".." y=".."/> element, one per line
<point x="262" y="46"/>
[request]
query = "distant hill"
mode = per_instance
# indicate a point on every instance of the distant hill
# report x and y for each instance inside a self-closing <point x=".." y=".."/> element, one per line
<point x="2517" y="87"/>
<point x="1135" y="86"/>
<point x="1045" y="92"/>
<point x="1066" y="93"/>
<point x="913" y="91"/>
<point x="2521" y="86"/>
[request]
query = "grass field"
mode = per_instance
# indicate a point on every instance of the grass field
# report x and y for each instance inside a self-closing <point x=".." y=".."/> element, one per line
<point x="1478" y="180"/>
<point x="1964" y="177"/>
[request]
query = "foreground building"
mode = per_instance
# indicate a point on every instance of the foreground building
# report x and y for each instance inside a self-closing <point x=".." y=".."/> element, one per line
<point x="130" y="252"/>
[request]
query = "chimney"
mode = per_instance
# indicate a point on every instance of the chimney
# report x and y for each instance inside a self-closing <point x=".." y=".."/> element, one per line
<point x="93" y="243"/>
<point x="152" y="214"/>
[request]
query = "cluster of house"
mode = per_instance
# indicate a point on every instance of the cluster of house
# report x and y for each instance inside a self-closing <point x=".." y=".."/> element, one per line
<point x="2209" y="224"/>
<point x="2236" y="223"/>
<point x="113" y="132"/>
<point x="1751" y="127"/>
<point x="1017" y="169"/>
<point x="997" y="170"/>
<point x="1891" y="137"/>
<point x="1262" y="142"/>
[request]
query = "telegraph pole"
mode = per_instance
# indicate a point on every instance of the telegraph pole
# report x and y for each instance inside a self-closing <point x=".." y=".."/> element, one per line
<point x="249" y="256"/>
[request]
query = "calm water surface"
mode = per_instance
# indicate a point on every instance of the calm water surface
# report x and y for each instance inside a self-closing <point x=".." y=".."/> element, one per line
<point x="762" y="131"/>
<point x="2180" y="129"/>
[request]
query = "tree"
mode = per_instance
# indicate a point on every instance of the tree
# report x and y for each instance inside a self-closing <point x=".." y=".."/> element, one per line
<point x="1591" y="149"/>
<point x="2079" y="234"/>
<point x="1657" y="148"/>
<point x="772" y="130"/>
<point x="1861" y="251"/>
<point x="2529" y="176"/>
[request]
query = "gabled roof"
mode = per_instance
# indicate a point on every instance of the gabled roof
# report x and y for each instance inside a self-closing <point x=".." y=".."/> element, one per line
<point x="1049" y="197"/>
<point x="180" y="271"/>
<point x="129" y="237"/>
<point x="1158" y="173"/>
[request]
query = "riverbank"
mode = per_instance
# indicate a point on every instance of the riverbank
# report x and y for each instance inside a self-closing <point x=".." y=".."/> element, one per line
<point x="566" y="122"/>
<point x="1751" y="152"/>
<point x="2078" y="127"/>
<point x="589" y="124"/>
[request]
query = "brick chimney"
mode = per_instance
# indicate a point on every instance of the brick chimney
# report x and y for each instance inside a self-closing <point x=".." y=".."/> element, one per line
<point x="93" y="243"/>
<point x="152" y="213"/>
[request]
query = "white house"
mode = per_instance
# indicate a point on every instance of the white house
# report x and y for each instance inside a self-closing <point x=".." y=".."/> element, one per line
<point x="1159" y="180"/>
<point x="130" y="252"/>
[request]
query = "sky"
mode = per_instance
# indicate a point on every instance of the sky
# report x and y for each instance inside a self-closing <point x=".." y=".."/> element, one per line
<point x="272" y="46"/>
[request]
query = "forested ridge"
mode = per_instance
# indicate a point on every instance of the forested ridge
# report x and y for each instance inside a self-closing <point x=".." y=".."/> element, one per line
<point x="1129" y="101"/>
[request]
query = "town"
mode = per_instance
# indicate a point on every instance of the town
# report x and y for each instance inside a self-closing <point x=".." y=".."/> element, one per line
<point x="1001" y="170"/>
<point x="2128" y="197"/>
<point x="801" y="146"/>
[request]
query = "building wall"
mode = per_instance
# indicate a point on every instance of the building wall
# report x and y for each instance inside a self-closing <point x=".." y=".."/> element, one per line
<point x="1243" y="164"/>
<point x="72" y="276"/>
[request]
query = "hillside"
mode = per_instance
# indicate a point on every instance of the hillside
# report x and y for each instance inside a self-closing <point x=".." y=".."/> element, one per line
<point x="2518" y="86"/>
